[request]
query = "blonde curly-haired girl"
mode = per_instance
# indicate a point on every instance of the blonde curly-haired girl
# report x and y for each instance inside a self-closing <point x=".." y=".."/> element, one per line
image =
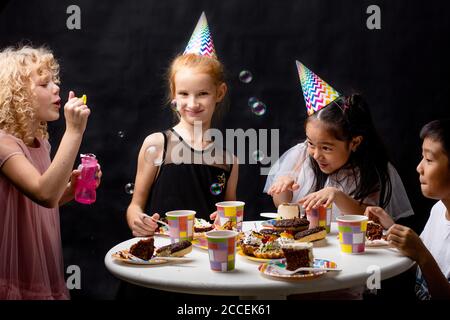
<point x="31" y="185"/>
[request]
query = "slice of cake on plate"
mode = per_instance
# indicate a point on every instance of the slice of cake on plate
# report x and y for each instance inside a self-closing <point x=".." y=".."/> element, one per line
<point x="143" y="249"/>
<point x="298" y="254"/>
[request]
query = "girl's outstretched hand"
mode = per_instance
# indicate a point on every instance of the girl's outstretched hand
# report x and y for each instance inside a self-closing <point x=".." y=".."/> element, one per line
<point x="377" y="213"/>
<point x="76" y="114"/>
<point x="323" y="197"/>
<point x="142" y="225"/>
<point x="282" y="184"/>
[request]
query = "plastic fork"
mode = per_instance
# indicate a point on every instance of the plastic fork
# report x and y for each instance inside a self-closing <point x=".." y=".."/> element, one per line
<point x="289" y="272"/>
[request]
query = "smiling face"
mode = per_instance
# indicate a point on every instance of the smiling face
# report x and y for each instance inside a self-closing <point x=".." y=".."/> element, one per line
<point x="196" y="95"/>
<point x="434" y="172"/>
<point x="46" y="98"/>
<point x="330" y="153"/>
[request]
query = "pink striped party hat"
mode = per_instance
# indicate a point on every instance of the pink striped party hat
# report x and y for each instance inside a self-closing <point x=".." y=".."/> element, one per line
<point x="201" y="41"/>
<point x="317" y="93"/>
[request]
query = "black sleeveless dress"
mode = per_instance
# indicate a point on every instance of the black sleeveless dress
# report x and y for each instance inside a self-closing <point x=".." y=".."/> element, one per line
<point x="189" y="179"/>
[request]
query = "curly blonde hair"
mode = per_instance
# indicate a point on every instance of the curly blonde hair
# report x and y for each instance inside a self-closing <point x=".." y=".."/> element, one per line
<point x="16" y="98"/>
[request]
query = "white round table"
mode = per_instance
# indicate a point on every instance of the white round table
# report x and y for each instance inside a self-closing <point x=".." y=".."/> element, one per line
<point x="196" y="277"/>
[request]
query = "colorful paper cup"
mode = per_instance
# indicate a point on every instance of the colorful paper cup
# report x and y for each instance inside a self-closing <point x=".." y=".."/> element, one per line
<point x="231" y="214"/>
<point x="352" y="233"/>
<point x="320" y="217"/>
<point x="222" y="249"/>
<point x="181" y="225"/>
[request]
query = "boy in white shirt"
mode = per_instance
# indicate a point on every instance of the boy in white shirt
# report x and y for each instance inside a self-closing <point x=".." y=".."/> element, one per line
<point x="431" y="250"/>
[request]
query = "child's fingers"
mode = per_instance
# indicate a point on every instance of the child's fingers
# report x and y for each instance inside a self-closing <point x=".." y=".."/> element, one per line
<point x="213" y="215"/>
<point x="140" y="225"/>
<point x="295" y="186"/>
<point x="76" y="173"/>
<point x="306" y="202"/>
<point x="393" y="238"/>
<point x="71" y="95"/>
<point x="276" y="189"/>
<point x="388" y="232"/>
<point x="147" y="221"/>
<point x="318" y="202"/>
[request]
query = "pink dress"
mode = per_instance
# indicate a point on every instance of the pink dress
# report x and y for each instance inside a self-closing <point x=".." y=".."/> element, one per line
<point x="31" y="262"/>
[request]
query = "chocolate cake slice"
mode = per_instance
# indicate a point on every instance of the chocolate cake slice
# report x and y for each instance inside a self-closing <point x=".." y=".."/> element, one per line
<point x="298" y="254"/>
<point x="374" y="231"/>
<point x="143" y="249"/>
<point x="296" y="224"/>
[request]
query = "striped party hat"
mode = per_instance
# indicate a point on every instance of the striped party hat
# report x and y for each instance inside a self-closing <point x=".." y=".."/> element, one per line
<point x="201" y="41"/>
<point x="317" y="93"/>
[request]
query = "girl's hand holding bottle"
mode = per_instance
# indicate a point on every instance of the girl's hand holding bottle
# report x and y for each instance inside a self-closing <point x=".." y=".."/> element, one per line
<point x="71" y="187"/>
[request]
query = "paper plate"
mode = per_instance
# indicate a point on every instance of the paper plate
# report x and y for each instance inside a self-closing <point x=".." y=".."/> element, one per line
<point x="269" y="215"/>
<point x="124" y="256"/>
<point x="271" y="269"/>
<point x="376" y="243"/>
<point x="251" y="258"/>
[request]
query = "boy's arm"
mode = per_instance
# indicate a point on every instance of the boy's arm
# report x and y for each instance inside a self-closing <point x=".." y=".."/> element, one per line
<point x="438" y="285"/>
<point x="410" y="244"/>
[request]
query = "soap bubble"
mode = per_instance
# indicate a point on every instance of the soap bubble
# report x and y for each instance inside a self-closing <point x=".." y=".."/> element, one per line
<point x="153" y="155"/>
<point x="252" y="100"/>
<point x="216" y="189"/>
<point x="245" y="76"/>
<point x="121" y="134"/>
<point x="259" y="108"/>
<point x="258" y="155"/>
<point x="129" y="188"/>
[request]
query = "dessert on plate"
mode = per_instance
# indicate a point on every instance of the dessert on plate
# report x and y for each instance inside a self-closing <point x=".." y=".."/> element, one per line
<point x="314" y="234"/>
<point x="298" y="254"/>
<point x="295" y="224"/>
<point x="288" y="211"/>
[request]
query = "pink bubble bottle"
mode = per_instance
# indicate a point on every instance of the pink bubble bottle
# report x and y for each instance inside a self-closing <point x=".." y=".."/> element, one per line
<point x="85" y="189"/>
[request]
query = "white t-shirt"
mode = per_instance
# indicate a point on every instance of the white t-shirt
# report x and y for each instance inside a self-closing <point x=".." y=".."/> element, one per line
<point x="295" y="163"/>
<point x="436" y="237"/>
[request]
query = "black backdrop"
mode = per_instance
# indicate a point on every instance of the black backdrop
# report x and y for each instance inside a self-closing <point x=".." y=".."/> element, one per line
<point x="119" y="56"/>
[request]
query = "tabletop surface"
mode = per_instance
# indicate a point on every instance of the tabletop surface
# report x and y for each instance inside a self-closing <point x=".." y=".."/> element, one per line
<point x="196" y="277"/>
